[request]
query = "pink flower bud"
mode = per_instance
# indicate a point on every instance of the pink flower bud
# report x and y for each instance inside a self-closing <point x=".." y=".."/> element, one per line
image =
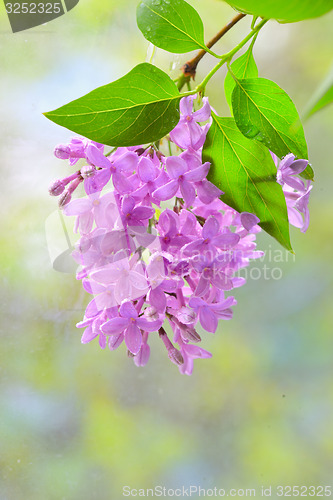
<point x="175" y="356"/>
<point x="56" y="188"/>
<point x="142" y="358"/>
<point x="190" y="334"/>
<point x="64" y="198"/>
<point x="87" y="171"/>
<point x="151" y="313"/>
<point x="186" y="315"/>
<point x="62" y="152"/>
<point x="73" y="185"/>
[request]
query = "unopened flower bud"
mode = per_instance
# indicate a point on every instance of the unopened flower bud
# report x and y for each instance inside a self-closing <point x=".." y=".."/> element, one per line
<point x="142" y="358"/>
<point x="56" y="188"/>
<point x="62" y="152"/>
<point x="190" y="334"/>
<point x="175" y="356"/>
<point x="73" y="185"/>
<point x="186" y="315"/>
<point x="87" y="171"/>
<point x="151" y="313"/>
<point x="65" y="198"/>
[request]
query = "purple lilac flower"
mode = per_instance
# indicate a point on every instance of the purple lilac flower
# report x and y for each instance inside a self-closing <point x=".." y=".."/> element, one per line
<point x="102" y="210"/>
<point x="296" y="190"/>
<point x="145" y="265"/>
<point x="132" y="215"/>
<point x="188" y="134"/>
<point x="181" y="178"/>
<point x="297" y="205"/>
<point x="211" y="239"/>
<point x="210" y="313"/>
<point x="129" y="323"/>
<point x="189" y="353"/>
<point x="288" y="169"/>
<point x="212" y="272"/>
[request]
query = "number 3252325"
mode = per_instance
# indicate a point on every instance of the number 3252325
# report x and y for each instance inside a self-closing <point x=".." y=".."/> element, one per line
<point x="33" y="8"/>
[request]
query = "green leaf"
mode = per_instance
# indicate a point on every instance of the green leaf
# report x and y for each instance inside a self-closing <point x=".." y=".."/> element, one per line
<point x="265" y="112"/>
<point x="172" y="25"/>
<point x="244" y="170"/>
<point x="322" y="97"/>
<point x="287" y="11"/>
<point x="243" y="67"/>
<point x="139" y="108"/>
<point x="326" y="99"/>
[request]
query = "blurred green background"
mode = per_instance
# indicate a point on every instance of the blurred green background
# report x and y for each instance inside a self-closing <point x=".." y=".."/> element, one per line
<point x="80" y="423"/>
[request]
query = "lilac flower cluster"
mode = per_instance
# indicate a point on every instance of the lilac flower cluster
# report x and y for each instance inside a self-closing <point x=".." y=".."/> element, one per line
<point x="160" y="247"/>
<point x="296" y="190"/>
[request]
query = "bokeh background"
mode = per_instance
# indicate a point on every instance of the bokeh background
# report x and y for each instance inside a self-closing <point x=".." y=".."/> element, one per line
<point x="80" y="423"/>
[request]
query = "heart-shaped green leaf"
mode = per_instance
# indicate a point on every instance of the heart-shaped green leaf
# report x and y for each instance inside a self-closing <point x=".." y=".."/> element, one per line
<point x="265" y="112"/>
<point x="140" y="107"/>
<point x="287" y="11"/>
<point x="244" y="170"/>
<point x="172" y="25"/>
<point x="243" y="67"/>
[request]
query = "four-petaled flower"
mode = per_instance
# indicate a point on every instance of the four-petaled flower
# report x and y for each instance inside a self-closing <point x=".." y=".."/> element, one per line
<point x="129" y="323"/>
<point x="188" y="134"/>
<point x="209" y="314"/>
<point x="181" y="178"/>
<point x="211" y="239"/>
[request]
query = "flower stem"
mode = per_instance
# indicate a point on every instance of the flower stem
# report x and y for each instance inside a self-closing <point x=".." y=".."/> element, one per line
<point x="226" y="57"/>
<point x="190" y="67"/>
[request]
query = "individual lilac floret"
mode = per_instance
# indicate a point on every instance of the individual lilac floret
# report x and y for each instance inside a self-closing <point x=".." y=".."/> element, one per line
<point x="127" y="277"/>
<point x="209" y="314"/>
<point x="296" y="190"/>
<point x="188" y="133"/>
<point x="129" y="323"/>
<point x="288" y="169"/>
<point x="132" y="215"/>
<point x="212" y="272"/>
<point x="297" y="205"/>
<point x="101" y="209"/>
<point x="151" y="178"/>
<point x="75" y="150"/>
<point x="142" y="357"/>
<point x="249" y="220"/>
<point x="189" y="353"/>
<point x="211" y="239"/>
<point x="181" y="178"/>
<point x="122" y="163"/>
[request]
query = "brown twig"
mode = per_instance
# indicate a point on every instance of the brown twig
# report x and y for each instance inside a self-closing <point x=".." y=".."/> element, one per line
<point x="189" y="68"/>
